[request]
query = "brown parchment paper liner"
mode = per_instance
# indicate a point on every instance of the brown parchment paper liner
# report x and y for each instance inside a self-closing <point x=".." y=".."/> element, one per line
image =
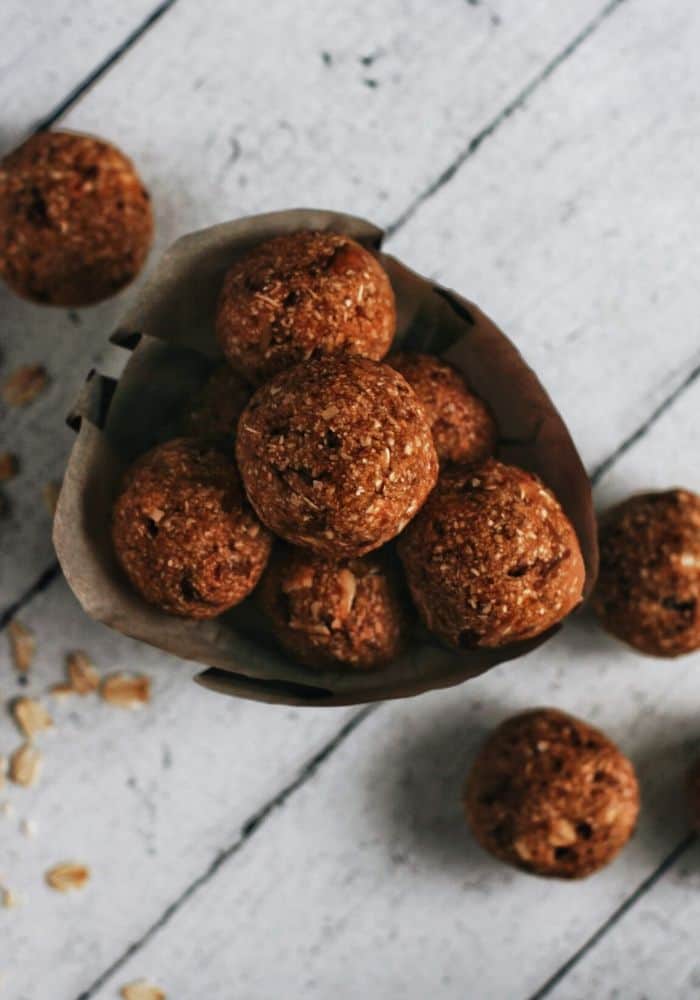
<point x="170" y="333"/>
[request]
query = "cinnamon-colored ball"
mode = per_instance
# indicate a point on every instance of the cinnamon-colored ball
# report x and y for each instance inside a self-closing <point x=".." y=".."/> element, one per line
<point x="303" y="295"/>
<point x="463" y="429"/>
<point x="333" y="612"/>
<point x="491" y="558"/>
<point x="336" y="455"/>
<point x="75" y="219"/>
<point x="648" y="591"/>
<point x="215" y="409"/>
<point x="550" y="794"/>
<point x="183" y="530"/>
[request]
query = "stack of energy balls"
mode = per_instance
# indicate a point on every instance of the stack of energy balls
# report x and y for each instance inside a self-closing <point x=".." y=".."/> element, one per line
<point x="313" y="434"/>
<point x="313" y="458"/>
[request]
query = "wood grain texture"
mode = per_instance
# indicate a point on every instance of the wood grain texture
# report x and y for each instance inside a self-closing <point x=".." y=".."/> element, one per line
<point x="49" y="49"/>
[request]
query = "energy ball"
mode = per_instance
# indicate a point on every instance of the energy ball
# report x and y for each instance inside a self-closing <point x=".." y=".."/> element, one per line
<point x="491" y="558"/>
<point x="648" y="591"/>
<point x="75" y="219"/>
<point x="333" y="612"/>
<point x="303" y="295"/>
<point x="183" y="531"/>
<point x="694" y="795"/>
<point x="463" y="429"/>
<point x="336" y="455"/>
<point x="215" y="409"/>
<point x="552" y="795"/>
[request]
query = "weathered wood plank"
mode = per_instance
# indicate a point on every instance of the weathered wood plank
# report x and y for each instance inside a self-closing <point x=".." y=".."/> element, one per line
<point x="49" y="49"/>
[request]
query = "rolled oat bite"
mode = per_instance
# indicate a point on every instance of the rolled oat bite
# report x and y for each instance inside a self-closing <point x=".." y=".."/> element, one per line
<point x="330" y="612"/>
<point x="75" y="219"/>
<point x="491" y="558"/>
<point x="550" y="794"/>
<point x="648" y="590"/>
<point x="303" y="295"/>
<point x="463" y="429"/>
<point x="215" y="409"/>
<point x="336" y="455"/>
<point x="184" y="532"/>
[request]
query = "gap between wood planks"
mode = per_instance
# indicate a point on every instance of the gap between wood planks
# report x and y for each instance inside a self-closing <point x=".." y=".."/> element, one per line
<point x="312" y="766"/>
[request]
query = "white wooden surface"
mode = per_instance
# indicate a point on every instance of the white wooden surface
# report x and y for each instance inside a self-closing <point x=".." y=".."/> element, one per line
<point x="572" y="219"/>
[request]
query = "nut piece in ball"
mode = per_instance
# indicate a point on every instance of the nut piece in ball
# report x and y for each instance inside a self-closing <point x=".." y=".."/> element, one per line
<point x="648" y="591"/>
<point x="304" y="295"/>
<point x="552" y="795"/>
<point x="333" y="612"/>
<point x="694" y="795"/>
<point x="491" y="558"/>
<point x="336" y="455"/>
<point x="75" y="219"/>
<point x="183" y="531"/>
<point x="215" y="409"/>
<point x="463" y="429"/>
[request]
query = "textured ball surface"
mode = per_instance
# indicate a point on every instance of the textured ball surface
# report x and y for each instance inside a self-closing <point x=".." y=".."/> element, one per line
<point x="183" y="531"/>
<point x="491" y="558"/>
<point x="694" y="795"/>
<point x="336" y="455"/>
<point x="648" y="591"/>
<point x="302" y="295"/>
<point x="552" y="795"/>
<point x="333" y="612"/>
<point x="464" y="431"/>
<point x="75" y="219"/>
<point x="215" y="409"/>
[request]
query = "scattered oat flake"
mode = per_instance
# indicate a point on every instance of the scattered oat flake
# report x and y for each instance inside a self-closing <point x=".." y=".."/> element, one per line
<point x="22" y="645"/>
<point x="6" y="809"/>
<point x="142" y="990"/>
<point x="67" y="876"/>
<point x="62" y="690"/>
<point x="25" y="765"/>
<point x="24" y="385"/>
<point x="49" y="493"/>
<point x="31" y="716"/>
<point x="9" y="898"/>
<point x="82" y="675"/>
<point x="29" y="827"/>
<point x="8" y="466"/>
<point x="126" y="691"/>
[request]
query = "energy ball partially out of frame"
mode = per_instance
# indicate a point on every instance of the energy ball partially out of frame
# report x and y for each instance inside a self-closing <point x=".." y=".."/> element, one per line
<point x="648" y="591"/>
<point x="552" y="795"/>
<point x="491" y="558"/>
<point x="215" y="409"/>
<point x="183" y="531"/>
<point x="463" y="429"/>
<point x="333" y="612"/>
<point x="303" y="295"/>
<point x="336" y="455"/>
<point x="75" y="219"/>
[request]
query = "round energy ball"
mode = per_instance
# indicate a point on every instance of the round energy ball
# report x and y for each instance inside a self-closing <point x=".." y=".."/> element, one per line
<point x="333" y="612"/>
<point x="648" y="591"/>
<point x="491" y="558"/>
<point x="215" y="409"/>
<point x="552" y="795"/>
<point x="463" y="429"/>
<point x="75" y="219"/>
<point x="183" y="531"/>
<point x="336" y="455"/>
<point x="303" y="295"/>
